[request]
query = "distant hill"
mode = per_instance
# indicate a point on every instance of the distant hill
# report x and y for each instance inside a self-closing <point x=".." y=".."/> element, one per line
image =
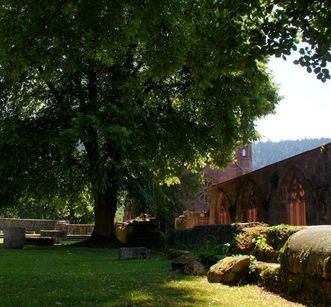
<point x="265" y="153"/>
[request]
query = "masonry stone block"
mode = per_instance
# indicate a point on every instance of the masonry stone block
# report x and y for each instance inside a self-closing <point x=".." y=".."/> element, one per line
<point x="14" y="237"/>
<point x="133" y="253"/>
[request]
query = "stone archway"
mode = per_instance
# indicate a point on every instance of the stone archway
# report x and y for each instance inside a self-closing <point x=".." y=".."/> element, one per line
<point x="247" y="209"/>
<point x="222" y="215"/>
<point x="293" y="200"/>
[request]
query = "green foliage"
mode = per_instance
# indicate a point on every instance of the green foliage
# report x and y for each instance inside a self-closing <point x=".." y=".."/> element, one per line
<point x="210" y="253"/>
<point x="278" y="235"/>
<point x="77" y="210"/>
<point x="260" y="243"/>
<point x="265" y="153"/>
<point x="99" y="95"/>
<point x="164" y="201"/>
<point x="263" y="241"/>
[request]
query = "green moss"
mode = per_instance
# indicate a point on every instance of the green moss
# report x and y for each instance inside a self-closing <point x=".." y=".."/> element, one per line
<point x="263" y="241"/>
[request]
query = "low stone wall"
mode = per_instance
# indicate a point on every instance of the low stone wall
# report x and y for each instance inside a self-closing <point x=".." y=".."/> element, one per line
<point x="28" y="224"/>
<point x="38" y="224"/>
<point x="80" y="229"/>
<point x="219" y="234"/>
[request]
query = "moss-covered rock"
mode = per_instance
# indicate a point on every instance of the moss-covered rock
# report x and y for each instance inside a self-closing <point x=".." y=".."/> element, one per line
<point x="263" y="242"/>
<point x="306" y="264"/>
<point x="229" y="270"/>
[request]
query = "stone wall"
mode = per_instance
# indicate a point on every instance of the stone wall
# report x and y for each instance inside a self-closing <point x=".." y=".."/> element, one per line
<point x="38" y="224"/>
<point x="76" y="229"/>
<point x="294" y="191"/>
<point x="29" y="224"/>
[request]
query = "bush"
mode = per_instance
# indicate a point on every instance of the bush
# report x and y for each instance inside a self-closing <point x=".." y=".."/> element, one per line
<point x="264" y="242"/>
<point x="210" y="253"/>
<point x="279" y="234"/>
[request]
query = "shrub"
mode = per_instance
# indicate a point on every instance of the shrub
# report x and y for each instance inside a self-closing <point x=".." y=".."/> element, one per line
<point x="210" y="253"/>
<point x="264" y="242"/>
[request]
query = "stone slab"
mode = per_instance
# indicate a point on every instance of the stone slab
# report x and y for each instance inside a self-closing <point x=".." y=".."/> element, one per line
<point x="134" y="253"/>
<point x="14" y="237"/>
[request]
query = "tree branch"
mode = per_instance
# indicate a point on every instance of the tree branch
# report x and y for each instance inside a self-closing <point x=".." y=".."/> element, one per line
<point x="51" y="86"/>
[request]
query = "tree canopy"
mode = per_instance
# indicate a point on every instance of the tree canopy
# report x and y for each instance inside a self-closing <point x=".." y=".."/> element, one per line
<point x="102" y="94"/>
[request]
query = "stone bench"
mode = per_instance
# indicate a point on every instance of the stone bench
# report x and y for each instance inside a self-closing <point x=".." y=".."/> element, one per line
<point x="57" y="235"/>
<point x="133" y="253"/>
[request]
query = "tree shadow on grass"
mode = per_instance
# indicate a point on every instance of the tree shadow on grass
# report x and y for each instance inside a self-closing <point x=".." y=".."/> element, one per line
<point x="89" y="277"/>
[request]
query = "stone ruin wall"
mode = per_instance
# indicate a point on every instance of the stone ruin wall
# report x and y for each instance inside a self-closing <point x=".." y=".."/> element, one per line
<point x="294" y="191"/>
<point x="35" y="225"/>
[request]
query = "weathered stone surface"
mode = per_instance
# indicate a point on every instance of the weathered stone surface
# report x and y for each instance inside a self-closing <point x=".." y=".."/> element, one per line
<point x="309" y="252"/>
<point x="35" y="225"/>
<point x="260" y="266"/>
<point x="133" y="253"/>
<point x="306" y="264"/>
<point x="265" y="274"/>
<point x="195" y="268"/>
<point x="229" y="270"/>
<point x="14" y="237"/>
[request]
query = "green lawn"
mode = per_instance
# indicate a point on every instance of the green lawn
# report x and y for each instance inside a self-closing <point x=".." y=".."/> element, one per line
<point x="64" y="276"/>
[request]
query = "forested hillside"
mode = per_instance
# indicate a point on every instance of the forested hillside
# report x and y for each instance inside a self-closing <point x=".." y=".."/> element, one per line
<point x="265" y="153"/>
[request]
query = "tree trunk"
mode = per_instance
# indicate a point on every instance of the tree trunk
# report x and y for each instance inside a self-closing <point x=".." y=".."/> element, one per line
<point x="104" y="210"/>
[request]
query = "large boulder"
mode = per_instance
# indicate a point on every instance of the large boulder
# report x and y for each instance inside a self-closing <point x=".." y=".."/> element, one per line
<point x="306" y="263"/>
<point x="309" y="252"/>
<point x="229" y="270"/>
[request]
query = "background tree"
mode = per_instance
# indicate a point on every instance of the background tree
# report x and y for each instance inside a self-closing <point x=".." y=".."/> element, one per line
<point x="265" y="153"/>
<point x="95" y="94"/>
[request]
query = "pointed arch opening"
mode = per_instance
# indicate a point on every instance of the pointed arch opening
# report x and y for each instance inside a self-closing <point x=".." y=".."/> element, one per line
<point x="293" y="199"/>
<point x="247" y="209"/>
<point x="223" y="213"/>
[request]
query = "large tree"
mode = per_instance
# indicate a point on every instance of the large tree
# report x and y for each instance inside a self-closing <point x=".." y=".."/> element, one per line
<point x="101" y="93"/>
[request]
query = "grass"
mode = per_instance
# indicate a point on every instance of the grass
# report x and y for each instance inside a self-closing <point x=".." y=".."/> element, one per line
<point x="67" y="276"/>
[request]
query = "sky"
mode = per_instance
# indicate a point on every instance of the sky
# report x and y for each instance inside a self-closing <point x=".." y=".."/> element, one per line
<point x="305" y="110"/>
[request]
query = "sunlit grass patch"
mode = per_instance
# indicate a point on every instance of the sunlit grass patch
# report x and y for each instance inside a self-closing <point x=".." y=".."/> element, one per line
<point x="67" y="276"/>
